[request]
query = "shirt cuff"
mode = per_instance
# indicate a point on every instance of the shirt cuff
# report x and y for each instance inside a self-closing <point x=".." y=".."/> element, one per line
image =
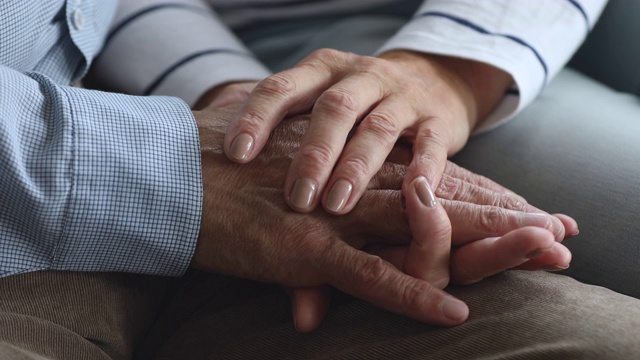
<point x="531" y="41"/>
<point x="136" y="192"/>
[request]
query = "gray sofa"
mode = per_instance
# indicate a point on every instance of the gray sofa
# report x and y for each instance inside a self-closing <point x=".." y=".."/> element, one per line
<point x="576" y="150"/>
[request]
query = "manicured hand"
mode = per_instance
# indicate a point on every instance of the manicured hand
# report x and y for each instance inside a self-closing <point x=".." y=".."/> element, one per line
<point x="361" y="106"/>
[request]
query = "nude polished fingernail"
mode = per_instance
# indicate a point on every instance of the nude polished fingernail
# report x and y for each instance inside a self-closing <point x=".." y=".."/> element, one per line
<point x="555" y="267"/>
<point x="425" y="194"/>
<point x="241" y="146"/>
<point x="303" y="192"/>
<point x="339" y="195"/>
<point x="454" y="309"/>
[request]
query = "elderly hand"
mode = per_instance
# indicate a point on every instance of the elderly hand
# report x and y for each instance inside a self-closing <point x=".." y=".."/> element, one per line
<point x="247" y="231"/>
<point x="530" y="242"/>
<point x="431" y="101"/>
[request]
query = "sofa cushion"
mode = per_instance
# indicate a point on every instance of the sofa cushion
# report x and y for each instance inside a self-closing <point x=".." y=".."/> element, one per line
<point x="611" y="53"/>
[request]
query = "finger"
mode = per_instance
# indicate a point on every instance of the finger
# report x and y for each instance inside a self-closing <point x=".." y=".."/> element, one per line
<point x="570" y="225"/>
<point x="381" y="216"/>
<point x="429" y="153"/>
<point x="558" y="258"/>
<point x="455" y="188"/>
<point x="480" y="259"/>
<point x="365" y="152"/>
<point x="428" y="256"/>
<point x="461" y="173"/>
<point x="472" y="222"/>
<point x="309" y="307"/>
<point x="287" y="92"/>
<point x="334" y="115"/>
<point x="372" y="279"/>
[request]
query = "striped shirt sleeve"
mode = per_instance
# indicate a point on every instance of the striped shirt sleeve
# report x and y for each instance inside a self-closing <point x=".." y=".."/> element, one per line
<point x="530" y="40"/>
<point x="175" y="48"/>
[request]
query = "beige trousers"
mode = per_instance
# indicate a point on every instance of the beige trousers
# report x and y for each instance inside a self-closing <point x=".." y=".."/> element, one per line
<point x="517" y="315"/>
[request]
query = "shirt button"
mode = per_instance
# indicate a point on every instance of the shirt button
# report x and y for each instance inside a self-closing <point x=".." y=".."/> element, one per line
<point x="78" y="19"/>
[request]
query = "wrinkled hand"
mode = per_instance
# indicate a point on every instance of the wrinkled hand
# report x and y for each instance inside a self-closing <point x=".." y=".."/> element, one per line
<point x="225" y="94"/>
<point x="247" y="231"/>
<point x="431" y="101"/>
<point x="525" y="245"/>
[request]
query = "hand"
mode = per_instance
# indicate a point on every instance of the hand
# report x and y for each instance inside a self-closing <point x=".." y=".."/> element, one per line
<point x="471" y="261"/>
<point x="431" y="101"/>
<point x="225" y="94"/>
<point x="248" y="232"/>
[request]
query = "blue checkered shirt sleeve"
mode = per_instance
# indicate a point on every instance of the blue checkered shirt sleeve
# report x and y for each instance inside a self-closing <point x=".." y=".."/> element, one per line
<point x="91" y="181"/>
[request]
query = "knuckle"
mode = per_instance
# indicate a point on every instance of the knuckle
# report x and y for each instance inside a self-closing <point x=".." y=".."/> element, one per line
<point x="447" y="187"/>
<point x="316" y="153"/>
<point x="339" y="100"/>
<point x="491" y="219"/>
<point x="326" y="53"/>
<point x="511" y="203"/>
<point x="252" y="120"/>
<point x="382" y="125"/>
<point x="326" y="58"/>
<point x="278" y="85"/>
<point x="373" y="272"/>
<point x="415" y="296"/>
<point x="373" y="66"/>
<point x="357" y="165"/>
<point x="464" y="191"/>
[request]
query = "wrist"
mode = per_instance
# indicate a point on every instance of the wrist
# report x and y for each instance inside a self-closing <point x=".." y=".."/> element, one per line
<point x="478" y="85"/>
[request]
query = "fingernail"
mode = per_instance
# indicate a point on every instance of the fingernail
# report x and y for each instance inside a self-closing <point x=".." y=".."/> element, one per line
<point x="241" y="146"/>
<point x="576" y="233"/>
<point x="304" y="190"/>
<point x="555" y="267"/>
<point x="425" y="194"/>
<point x="537" y="252"/>
<point x="339" y="195"/>
<point x="454" y="309"/>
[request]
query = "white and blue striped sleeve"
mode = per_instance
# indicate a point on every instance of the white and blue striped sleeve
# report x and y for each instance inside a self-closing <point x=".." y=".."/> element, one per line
<point x="176" y="48"/>
<point x="530" y="40"/>
<point x="95" y="181"/>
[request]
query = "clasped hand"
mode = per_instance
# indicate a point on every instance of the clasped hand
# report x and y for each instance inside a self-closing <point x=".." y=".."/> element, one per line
<point x="249" y="231"/>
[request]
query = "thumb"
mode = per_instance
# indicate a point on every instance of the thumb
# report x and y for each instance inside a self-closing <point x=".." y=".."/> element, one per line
<point x="309" y="306"/>
<point x="428" y="256"/>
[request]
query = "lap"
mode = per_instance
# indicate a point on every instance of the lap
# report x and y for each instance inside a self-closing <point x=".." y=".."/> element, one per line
<point x="67" y="315"/>
<point x="513" y="315"/>
<point x="53" y="315"/>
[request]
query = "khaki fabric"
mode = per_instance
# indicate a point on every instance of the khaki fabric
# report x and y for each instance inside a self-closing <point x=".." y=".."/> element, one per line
<point x="517" y="315"/>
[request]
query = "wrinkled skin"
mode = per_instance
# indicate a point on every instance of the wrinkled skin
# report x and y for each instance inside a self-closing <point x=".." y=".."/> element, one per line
<point x="249" y="231"/>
